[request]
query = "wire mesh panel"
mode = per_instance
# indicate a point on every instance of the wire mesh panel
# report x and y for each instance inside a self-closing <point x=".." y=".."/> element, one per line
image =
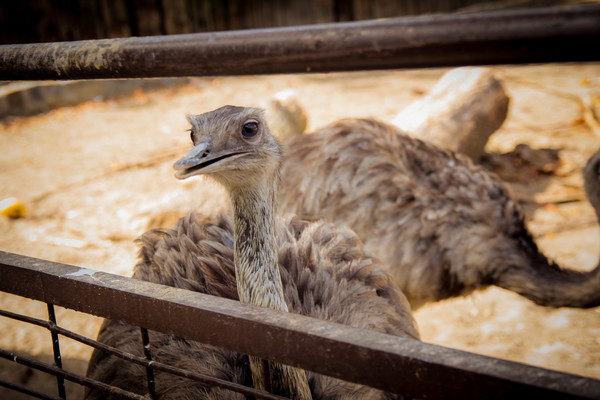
<point x="147" y="362"/>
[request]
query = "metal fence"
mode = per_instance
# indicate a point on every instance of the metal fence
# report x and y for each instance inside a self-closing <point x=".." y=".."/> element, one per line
<point x="383" y="361"/>
<point x="398" y="365"/>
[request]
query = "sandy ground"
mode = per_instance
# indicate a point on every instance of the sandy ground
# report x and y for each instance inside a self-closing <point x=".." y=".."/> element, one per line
<point x="94" y="176"/>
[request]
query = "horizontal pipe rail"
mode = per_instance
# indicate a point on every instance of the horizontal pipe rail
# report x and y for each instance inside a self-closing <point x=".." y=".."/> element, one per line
<point x="390" y="363"/>
<point x="554" y="34"/>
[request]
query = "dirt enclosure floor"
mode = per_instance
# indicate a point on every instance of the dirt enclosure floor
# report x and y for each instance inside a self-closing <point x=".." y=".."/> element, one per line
<point x="94" y="176"/>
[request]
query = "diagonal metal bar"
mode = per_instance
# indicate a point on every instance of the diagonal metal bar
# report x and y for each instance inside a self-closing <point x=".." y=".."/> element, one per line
<point x="554" y="34"/>
<point x="28" y="391"/>
<point x="390" y="363"/>
<point x="54" y="370"/>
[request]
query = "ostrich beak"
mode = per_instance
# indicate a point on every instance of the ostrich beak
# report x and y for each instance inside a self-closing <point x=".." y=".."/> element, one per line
<point x="193" y="162"/>
<point x="203" y="159"/>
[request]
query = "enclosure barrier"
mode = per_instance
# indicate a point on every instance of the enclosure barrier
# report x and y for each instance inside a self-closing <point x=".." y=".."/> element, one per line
<point x="556" y="34"/>
<point x="375" y="359"/>
<point x="390" y="363"/>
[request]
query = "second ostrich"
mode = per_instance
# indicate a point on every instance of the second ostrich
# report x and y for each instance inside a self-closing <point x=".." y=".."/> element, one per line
<point x="443" y="226"/>
<point x="285" y="263"/>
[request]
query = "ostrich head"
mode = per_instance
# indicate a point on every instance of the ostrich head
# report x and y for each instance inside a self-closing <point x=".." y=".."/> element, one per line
<point x="233" y="145"/>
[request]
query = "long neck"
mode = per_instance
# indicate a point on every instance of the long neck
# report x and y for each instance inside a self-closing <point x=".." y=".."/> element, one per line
<point x="256" y="263"/>
<point x="534" y="276"/>
<point x="544" y="282"/>
<point x="259" y="281"/>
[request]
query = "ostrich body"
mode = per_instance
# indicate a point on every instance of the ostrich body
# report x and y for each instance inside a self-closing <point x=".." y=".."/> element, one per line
<point x="310" y="268"/>
<point x="443" y="226"/>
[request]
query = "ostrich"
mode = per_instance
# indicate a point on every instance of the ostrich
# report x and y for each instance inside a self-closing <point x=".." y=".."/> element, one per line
<point x="591" y="182"/>
<point x="310" y="268"/>
<point x="443" y="226"/>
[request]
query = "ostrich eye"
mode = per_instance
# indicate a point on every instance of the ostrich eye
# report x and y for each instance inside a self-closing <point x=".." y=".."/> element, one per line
<point x="250" y="129"/>
<point x="191" y="135"/>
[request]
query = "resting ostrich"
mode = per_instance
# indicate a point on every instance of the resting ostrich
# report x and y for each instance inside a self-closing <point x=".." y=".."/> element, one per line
<point x="443" y="226"/>
<point x="591" y="182"/>
<point x="285" y="263"/>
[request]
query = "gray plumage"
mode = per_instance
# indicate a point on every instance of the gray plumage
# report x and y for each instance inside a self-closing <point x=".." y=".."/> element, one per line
<point x="323" y="269"/>
<point x="443" y="226"/>
<point x="591" y="182"/>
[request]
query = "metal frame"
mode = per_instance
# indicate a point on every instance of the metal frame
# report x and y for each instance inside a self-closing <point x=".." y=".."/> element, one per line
<point x="556" y="34"/>
<point x="383" y="361"/>
<point x="390" y="363"/>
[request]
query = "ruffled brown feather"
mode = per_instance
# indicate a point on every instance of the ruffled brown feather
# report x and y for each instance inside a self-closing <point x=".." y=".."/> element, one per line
<point x="325" y="273"/>
<point x="441" y="225"/>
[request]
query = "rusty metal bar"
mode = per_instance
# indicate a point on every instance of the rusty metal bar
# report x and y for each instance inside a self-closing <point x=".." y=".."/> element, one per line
<point x="554" y="34"/>
<point x="390" y="363"/>
<point x="27" y="391"/>
<point x="60" y="381"/>
<point x="54" y="370"/>
<point x="209" y="380"/>
<point x="149" y="370"/>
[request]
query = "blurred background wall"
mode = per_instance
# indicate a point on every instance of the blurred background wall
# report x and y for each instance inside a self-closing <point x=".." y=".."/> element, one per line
<point x="30" y="21"/>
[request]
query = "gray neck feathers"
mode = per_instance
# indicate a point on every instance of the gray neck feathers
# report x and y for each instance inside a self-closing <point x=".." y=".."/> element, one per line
<point x="256" y="260"/>
<point x="258" y="278"/>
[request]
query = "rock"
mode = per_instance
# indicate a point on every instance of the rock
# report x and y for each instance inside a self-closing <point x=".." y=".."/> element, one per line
<point x="285" y="115"/>
<point x="459" y="113"/>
